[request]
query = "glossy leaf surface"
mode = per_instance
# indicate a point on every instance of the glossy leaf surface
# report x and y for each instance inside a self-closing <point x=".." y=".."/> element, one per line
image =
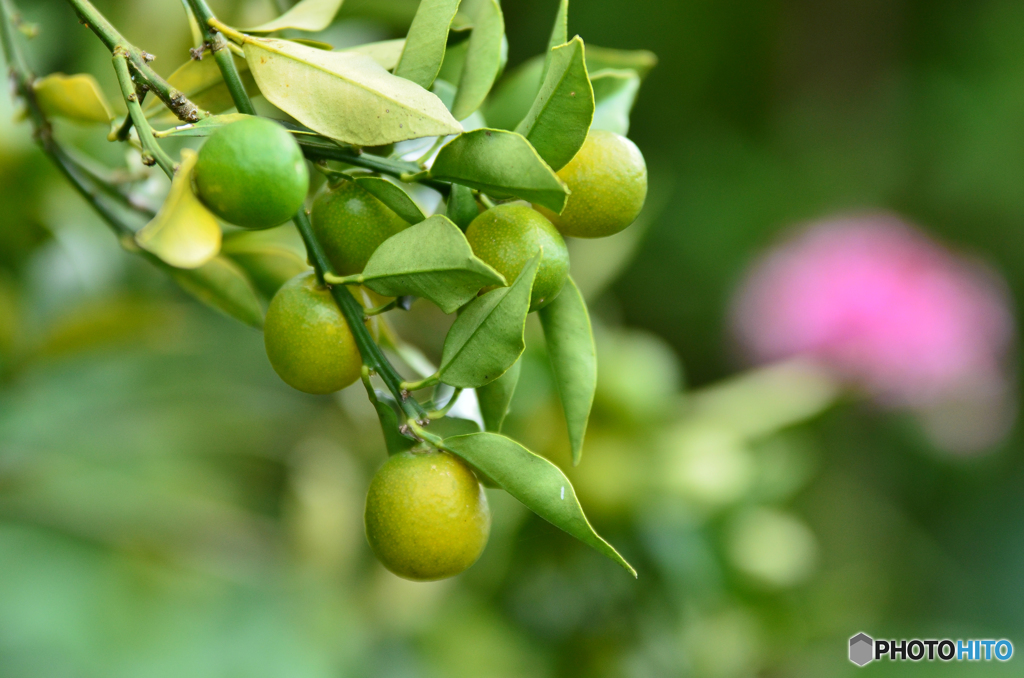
<point x="558" y="122"/>
<point x="495" y="397"/>
<point x="432" y="260"/>
<point x="614" y="95"/>
<point x="221" y="285"/>
<point x="487" y="337"/>
<point x="536" y="482"/>
<point x="501" y="163"/>
<point x="573" y="356"/>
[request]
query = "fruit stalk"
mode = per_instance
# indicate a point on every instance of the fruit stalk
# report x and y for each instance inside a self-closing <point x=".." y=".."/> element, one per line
<point x="371" y="353"/>
<point x="131" y="99"/>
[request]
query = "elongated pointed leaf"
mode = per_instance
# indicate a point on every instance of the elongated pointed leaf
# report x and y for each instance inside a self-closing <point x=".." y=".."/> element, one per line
<point x="269" y="258"/>
<point x="183" y="233"/>
<point x="573" y="356"/>
<point x="425" y="44"/>
<point x="536" y="482"/>
<point x="488" y="337"/>
<point x="75" y="97"/>
<point x="345" y="95"/>
<point x="485" y="57"/>
<point x="432" y="260"/>
<point x="202" y="83"/>
<point x="501" y="163"/>
<point x="461" y="208"/>
<point x="221" y="285"/>
<point x="558" y="122"/>
<point x="307" y="15"/>
<point x="393" y="196"/>
<point x="495" y="397"/>
<point x="639" y="60"/>
<point x="559" y="34"/>
<point x="614" y="95"/>
<point x="386" y="52"/>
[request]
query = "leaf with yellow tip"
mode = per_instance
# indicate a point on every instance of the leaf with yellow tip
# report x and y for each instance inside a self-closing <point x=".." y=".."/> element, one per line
<point x="184" y="233"/>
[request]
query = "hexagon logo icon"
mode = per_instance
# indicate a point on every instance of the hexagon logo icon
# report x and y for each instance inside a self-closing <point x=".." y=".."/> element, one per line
<point x="861" y="649"/>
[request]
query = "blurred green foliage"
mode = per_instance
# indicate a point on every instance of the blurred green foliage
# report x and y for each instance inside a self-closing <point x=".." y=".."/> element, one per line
<point x="169" y="508"/>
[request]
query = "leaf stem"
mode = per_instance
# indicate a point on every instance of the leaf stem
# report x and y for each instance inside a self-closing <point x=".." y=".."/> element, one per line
<point x="373" y="357"/>
<point x="332" y="279"/>
<point x="213" y="33"/>
<point x="146" y="77"/>
<point x="377" y="310"/>
<point x="443" y="412"/>
<point x="432" y="380"/>
<point x="131" y="98"/>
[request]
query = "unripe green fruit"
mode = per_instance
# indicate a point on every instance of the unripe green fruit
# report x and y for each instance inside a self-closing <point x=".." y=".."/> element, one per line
<point x="351" y="223"/>
<point x="426" y="515"/>
<point x="509" y="235"/>
<point x="308" y="342"/>
<point x="252" y="174"/>
<point x="608" y="180"/>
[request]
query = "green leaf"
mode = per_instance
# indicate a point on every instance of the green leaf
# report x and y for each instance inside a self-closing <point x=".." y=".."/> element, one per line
<point x="573" y="356"/>
<point x="639" y="60"/>
<point x="512" y="99"/>
<point x="183" y="233"/>
<point x="345" y="95"/>
<point x="202" y="128"/>
<point x="614" y="95"/>
<point x="388" y="414"/>
<point x="266" y="257"/>
<point x="536" y="482"/>
<point x="461" y="208"/>
<point x="221" y="285"/>
<point x="202" y="83"/>
<point x="558" y="122"/>
<point x="559" y="34"/>
<point x="495" y="397"/>
<point x="425" y="44"/>
<point x="308" y="15"/>
<point x="386" y="52"/>
<point x="451" y="68"/>
<point x="393" y="196"/>
<point x="432" y="260"/>
<point x="447" y="427"/>
<point x="75" y="97"/>
<point x="485" y="57"/>
<point x="500" y="163"/>
<point x="488" y="336"/>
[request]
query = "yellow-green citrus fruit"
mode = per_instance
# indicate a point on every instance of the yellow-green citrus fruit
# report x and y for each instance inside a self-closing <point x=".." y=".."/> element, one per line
<point x="608" y="180"/>
<point x="426" y="515"/>
<point x="509" y="235"/>
<point x="251" y="173"/>
<point x="351" y="223"/>
<point x="308" y="342"/>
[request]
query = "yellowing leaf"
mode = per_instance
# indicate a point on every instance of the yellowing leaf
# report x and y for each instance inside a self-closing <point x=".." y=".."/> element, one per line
<point x="76" y="97"/>
<point x="308" y="15"/>
<point x="346" y="96"/>
<point x="183" y="233"/>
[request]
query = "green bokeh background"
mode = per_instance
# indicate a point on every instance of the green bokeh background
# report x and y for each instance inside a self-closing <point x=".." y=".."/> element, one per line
<point x="169" y="508"/>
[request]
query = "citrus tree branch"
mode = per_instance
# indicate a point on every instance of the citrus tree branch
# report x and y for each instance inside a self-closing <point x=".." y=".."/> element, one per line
<point x="146" y="77"/>
<point x="221" y="53"/>
<point x="373" y="356"/>
<point x="131" y="97"/>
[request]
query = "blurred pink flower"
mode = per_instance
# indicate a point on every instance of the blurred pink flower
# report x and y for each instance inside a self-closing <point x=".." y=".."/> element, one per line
<point x="884" y="306"/>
